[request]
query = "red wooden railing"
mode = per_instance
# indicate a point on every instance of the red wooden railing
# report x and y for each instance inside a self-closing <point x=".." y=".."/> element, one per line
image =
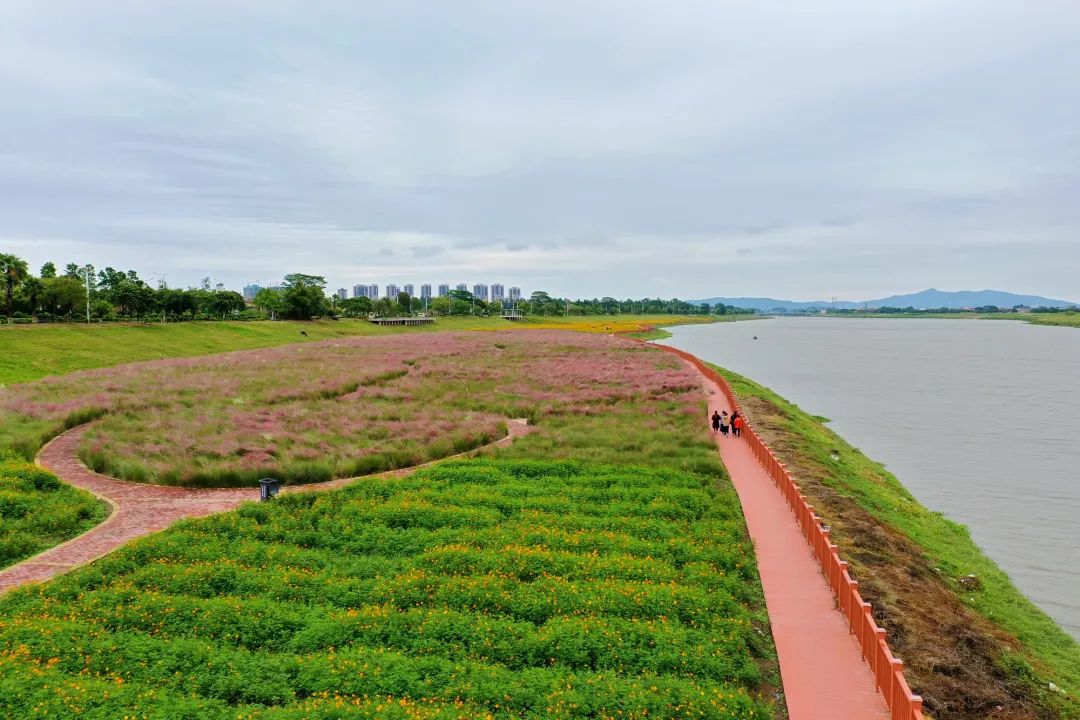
<point x="888" y="670"/>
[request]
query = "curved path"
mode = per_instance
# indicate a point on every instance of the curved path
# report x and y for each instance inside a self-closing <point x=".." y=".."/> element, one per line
<point x="821" y="665"/>
<point x="139" y="509"/>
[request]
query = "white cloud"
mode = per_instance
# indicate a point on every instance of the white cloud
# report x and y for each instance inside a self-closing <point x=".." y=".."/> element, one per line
<point x="595" y="148"/>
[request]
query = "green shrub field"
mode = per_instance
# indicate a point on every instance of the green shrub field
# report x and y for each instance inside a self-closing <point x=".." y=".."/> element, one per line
<point x="484" y="588"/>
<point x="38" y="511"/>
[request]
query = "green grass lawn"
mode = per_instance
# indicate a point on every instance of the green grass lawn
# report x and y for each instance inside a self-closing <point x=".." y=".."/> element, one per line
<point x="31" y="352"/>
<point x="977" y="640"/>
<point x="475" y="589"/>
<point x="38" y="511"/>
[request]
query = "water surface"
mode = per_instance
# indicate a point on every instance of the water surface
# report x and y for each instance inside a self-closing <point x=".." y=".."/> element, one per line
<point x="978" y="418"/>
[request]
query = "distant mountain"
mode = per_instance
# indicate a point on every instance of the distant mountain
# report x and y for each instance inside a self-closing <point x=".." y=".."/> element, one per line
<point x="966" y="298"/>
<point x="762" y="304"/>
<point x="927" y="299"/>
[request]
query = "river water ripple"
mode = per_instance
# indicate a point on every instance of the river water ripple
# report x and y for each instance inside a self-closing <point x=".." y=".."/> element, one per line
<point x="978" y="418"/>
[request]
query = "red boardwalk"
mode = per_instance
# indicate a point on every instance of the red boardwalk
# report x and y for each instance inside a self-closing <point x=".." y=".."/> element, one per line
<point x="824" y="675"/>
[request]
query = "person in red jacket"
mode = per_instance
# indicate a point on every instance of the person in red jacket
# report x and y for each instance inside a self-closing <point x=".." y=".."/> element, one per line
<point x="737" y="424"/>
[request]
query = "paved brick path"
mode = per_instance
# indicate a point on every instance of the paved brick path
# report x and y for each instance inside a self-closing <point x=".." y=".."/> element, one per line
<point x="139" y="509"/>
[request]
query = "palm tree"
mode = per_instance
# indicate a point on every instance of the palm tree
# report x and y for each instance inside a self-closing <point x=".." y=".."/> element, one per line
<point x="14" y="271"/>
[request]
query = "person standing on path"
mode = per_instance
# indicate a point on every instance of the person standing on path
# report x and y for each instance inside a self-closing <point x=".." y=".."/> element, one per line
<point x="715" y="421"/>
<point x="736" y="424"/>
<point x="725" y="424"/>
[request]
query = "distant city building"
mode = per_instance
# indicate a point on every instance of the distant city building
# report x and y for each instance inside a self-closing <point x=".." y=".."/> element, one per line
<point x="343" y="294"/>
<point x="392" y="291"/>
<point x="444" y="290"/>
<point x="515" y="294"/>
<point x="371" y="292"/>
<point x="480" y="291"/>
<point x="409" y="290"/>
<point x="250" y="291"/>
<point x="498" y="292"/>
<point x="463" y="287"/>
<point x="425" y="292"/>
<point x="359" y="291"/>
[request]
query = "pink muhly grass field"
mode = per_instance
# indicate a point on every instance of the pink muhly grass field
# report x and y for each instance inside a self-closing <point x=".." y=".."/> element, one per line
<point x="343" y="407"/>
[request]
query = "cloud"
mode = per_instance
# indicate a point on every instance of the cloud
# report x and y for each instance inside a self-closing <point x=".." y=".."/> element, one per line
<point x="677" y="147"/>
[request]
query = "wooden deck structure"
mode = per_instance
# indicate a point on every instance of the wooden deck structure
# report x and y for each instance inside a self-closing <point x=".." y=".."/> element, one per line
<point x="402" y="320"/>
<point x="513" y="316"/>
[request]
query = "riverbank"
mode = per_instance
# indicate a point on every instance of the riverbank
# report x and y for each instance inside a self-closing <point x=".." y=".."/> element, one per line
<point x="32" y="352"/>
<point x="974" y="646"/>
<point x="1058" y="319"/>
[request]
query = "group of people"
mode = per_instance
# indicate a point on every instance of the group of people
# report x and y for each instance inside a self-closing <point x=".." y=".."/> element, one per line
<point x="723" y="423"/>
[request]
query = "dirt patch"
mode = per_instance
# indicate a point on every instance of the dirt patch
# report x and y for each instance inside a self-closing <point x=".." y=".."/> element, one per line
<point x="953" y="656"/>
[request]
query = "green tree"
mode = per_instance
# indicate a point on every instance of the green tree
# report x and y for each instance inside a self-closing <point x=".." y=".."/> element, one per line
<point x="111" y="279"/>
<point x="176" y="302"/>
<point x="32" y="290"/>
<point x="271" y="302"/>
<point x="304" y="302"/>
<point x="62" y="295"/>
<point x="302" y="280"/>
<point x="224" y="302"/>
<point x="130" y="297"/>
<point x="13" y="271"/>
<point x="48" y="271"/>
<point x="355" y="307"/>
<point x="439" y="306"/>
<point x="404" y="302"/>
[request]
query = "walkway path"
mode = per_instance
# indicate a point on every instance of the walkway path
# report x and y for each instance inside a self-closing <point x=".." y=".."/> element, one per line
<point x="139" y="509"/>
<point x="821" y="665"/>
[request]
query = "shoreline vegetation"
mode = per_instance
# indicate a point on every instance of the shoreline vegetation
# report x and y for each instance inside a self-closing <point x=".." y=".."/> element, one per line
<point x="1064" y="318"/>
<point x="971" y="641"/>
<point x="34" y="351"/>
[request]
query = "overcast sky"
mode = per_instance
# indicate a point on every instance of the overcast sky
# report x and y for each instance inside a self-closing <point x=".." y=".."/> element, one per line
<point x="802" y="149"/>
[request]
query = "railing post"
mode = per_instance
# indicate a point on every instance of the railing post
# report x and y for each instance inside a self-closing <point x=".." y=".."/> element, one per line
<point x="894" y="701"/>
<point x="878" y="654"/>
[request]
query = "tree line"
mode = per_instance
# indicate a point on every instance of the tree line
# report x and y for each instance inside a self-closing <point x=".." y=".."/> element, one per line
<point x="82" y="293"/>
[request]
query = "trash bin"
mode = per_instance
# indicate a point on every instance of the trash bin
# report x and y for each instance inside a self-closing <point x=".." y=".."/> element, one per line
<point x="268" y="488"/>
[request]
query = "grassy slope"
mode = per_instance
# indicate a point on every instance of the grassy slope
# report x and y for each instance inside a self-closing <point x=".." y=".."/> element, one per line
<point x="37" y="511"/>
<point x="804" y="441"/>
<point x="31" y="352"/>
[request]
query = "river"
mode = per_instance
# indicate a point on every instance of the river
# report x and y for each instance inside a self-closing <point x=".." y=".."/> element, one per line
<point x="977" y="418"/>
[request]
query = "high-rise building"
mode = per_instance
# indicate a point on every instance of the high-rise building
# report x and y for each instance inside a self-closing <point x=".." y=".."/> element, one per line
<point x="250" y="291"/>
<point x="409" y="289"/>
<point x="444" y="290"/>
<point x="515" y="294"/>
<point x="497" y="292"/>
<point x="463" y="287"/>
<point x="342" y="294"/>
<point x="371" y="292"/>
<point x="480" y="291"/>
<point x="392" y="291"/>
<point x="425" y="292"/>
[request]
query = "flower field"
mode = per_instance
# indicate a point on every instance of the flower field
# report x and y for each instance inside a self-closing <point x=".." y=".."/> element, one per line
<point x="38" y="511"/>
<point x="353" y="406"/>
<point x="485" y="588"/>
